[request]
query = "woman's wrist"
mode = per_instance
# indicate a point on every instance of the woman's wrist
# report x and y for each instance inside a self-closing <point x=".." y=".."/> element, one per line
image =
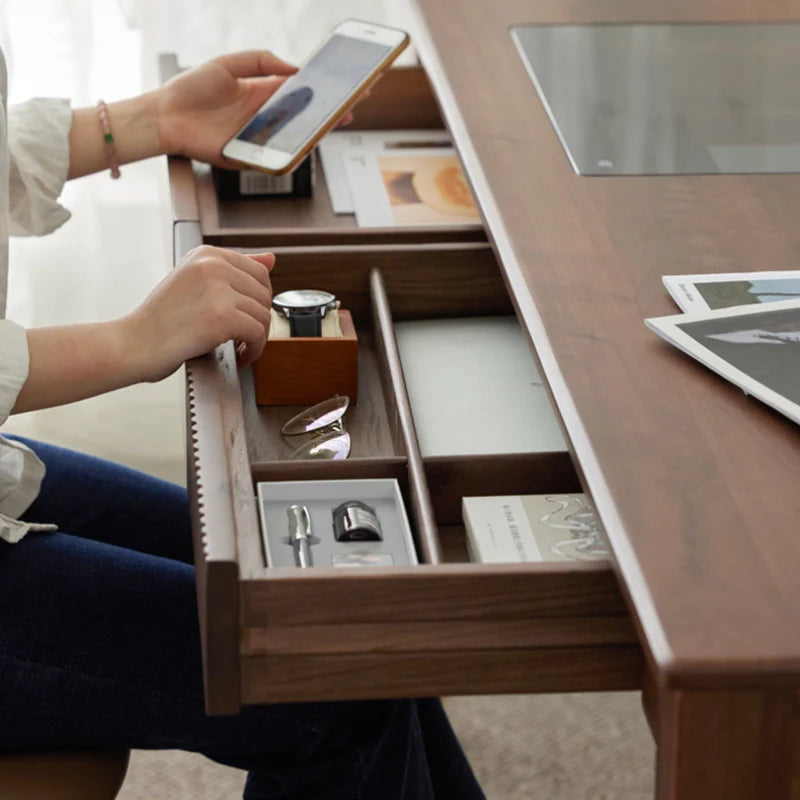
<point x="134" y="126"/>
<point x="72" y="362"/>
<point x="139" y="346"/>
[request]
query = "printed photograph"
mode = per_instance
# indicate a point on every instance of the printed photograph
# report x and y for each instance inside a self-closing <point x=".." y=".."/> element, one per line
<point x="756" y="348"/>
<point x="765" y="346"/>
<point x="709" y="292"/>
<point x="427" y="189"/>
<point x="724" y="294"/>
<point x="424" y="187"/>
<point x="337" y="146"/>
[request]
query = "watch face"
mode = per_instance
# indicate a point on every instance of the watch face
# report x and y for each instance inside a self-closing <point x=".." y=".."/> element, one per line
<point x="303" y="298"/>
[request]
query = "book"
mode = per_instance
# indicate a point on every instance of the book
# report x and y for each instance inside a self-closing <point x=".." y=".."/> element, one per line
<point x="694" y="293"/>
<point x="755" y="347"/>
<point x="535" y="527"/>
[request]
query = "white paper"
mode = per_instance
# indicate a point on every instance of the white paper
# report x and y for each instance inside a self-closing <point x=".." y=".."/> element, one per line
<point x="708" y="292"/>
<point x="337" y="145"/>
<point x="755" y="347"/>
<point x="474" y="388"/>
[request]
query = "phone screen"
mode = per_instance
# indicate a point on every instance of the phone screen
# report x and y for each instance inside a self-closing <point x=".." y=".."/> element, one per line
<point x="303" y="103"/>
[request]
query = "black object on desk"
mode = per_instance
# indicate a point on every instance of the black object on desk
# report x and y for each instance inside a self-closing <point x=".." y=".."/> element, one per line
<point x="241" y="184"/>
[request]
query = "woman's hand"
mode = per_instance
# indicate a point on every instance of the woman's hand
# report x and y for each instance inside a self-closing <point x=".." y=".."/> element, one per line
<point x="195" y="114"/>
<point x="212" y="296"/>
<point x="201" y="109"/>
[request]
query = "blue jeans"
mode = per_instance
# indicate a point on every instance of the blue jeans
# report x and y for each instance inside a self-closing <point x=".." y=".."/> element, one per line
<point x="99" y="648"/>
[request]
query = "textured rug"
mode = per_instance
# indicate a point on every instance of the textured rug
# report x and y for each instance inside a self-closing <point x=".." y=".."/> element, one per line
<point x="544" y="747"/>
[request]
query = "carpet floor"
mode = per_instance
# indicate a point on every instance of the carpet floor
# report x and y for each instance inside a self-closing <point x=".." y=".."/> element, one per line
<point x="543" y="747"/>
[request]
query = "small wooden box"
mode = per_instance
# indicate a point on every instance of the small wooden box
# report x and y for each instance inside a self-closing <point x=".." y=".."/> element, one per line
<point x="306" y="370"/>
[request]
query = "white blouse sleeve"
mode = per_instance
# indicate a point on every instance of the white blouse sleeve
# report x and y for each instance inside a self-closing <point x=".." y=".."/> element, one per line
<point x="38" y="144"/>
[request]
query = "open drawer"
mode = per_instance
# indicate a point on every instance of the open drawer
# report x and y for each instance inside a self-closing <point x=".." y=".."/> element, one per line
<point x="445" y="626"/>
<point x="402" y="99"/>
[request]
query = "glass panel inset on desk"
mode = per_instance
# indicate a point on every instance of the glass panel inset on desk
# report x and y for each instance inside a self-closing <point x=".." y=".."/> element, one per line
<point x="650" y="99"/>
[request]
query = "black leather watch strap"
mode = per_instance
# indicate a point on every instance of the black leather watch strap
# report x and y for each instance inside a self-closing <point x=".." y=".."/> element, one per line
<point x="306" y="324"/>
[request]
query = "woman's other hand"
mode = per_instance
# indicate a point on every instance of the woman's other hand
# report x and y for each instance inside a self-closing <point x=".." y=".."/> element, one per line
<point x="212" y="296"/>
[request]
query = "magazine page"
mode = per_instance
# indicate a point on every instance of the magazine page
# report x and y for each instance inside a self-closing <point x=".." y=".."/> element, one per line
<point x="726" y="289"/>
<point x="338" y="145"/>
<point x="755" y="347"/>
<point x="426" y="187"/>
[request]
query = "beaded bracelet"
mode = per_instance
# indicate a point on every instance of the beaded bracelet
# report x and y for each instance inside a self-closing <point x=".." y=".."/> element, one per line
<point x="108" y="139"/>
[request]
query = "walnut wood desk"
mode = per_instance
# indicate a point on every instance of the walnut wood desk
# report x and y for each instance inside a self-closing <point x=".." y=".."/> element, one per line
<point x="696" y="485"/>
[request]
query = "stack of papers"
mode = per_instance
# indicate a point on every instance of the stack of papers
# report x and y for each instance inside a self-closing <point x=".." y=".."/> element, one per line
<point x="745" y="327"/>
<point x="397" y="178"/>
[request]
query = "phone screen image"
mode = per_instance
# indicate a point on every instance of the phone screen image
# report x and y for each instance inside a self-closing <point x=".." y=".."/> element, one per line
<point x="303" y="103"/>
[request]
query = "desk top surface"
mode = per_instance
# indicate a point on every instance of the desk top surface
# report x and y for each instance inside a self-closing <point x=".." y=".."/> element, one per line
<point x="696" y="483"/>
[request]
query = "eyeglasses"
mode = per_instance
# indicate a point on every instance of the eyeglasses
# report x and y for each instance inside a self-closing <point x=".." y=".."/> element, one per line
<point x="323" y="422"/>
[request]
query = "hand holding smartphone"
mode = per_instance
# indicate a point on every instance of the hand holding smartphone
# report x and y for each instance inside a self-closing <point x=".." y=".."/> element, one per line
<point x="308" y="104"/>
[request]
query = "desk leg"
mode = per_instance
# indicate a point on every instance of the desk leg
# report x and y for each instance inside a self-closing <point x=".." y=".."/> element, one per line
<point x="727" y="745"/>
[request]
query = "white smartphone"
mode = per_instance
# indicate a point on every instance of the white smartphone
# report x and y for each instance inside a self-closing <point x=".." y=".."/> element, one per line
<point x="286" y="127"/>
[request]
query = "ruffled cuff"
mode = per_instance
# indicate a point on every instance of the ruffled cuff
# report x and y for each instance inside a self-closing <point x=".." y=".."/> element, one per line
<point x="12" y="530"/>
<point x="38" y="144"/>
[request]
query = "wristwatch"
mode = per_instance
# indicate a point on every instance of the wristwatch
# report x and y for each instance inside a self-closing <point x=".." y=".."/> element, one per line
<point x="305" y="308"/>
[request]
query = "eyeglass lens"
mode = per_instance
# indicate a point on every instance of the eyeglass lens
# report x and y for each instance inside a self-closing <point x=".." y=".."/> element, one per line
<point x="324" y="421"/>
<point x="322" y="415"/>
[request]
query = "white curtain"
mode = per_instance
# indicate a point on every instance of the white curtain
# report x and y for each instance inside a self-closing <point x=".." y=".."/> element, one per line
<point x="199" y="29"/>
<point x="85" y="49"/>
<point x="68" y="48"/>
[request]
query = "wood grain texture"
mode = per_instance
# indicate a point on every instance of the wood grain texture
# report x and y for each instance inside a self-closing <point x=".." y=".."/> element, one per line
<point x="182" y="190"/>
<point x="453" y="539"/>
<point x="399" y="408"/>
<point x="736" y="745"/>
<point x="428" y="593"/>
<point x="302" y="370"/>
<point x="694" y="482"/>
<point x="297" y="221"/>
<point x="556" y="669"/>
<point x="402" y="98"/>
<point x="435" y="637"/>
<point x="373" y="432"/>
<point x="214" y="519"/>
<point x="456" y="477"/>
<point x="432" y="280"/>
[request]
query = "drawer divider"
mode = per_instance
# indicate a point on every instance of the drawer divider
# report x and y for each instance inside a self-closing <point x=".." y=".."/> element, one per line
<point x="400" y="410"/>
